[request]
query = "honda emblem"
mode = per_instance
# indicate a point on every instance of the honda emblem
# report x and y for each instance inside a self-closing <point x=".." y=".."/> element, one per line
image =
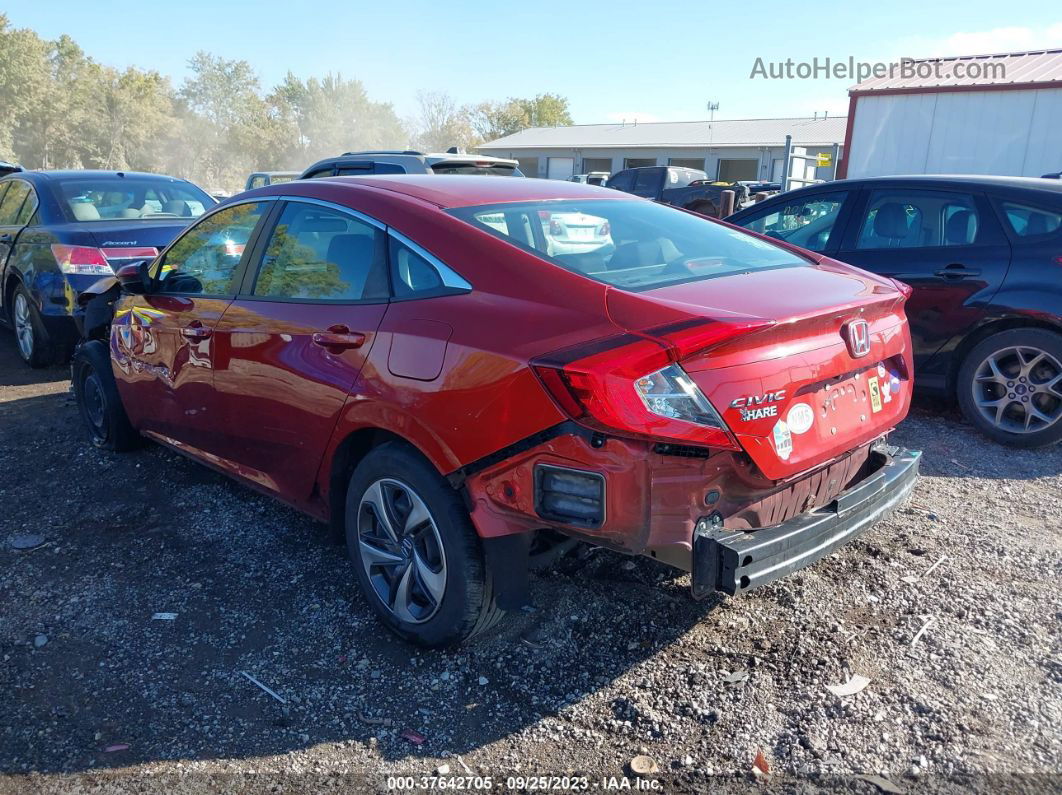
<point x="857" y="335"/>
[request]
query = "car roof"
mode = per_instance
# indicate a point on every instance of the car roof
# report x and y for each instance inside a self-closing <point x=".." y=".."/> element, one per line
<point x="90" y="173"/>
<point x="985" y="180"/>
<point x="453" y="190"/>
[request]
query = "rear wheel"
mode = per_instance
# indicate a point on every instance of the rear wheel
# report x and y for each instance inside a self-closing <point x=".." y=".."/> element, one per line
<point x="1010" y="387"/>
<point x="98" y="400"/>
<point x="416" y="555"/>
<point x="30" y="335"/>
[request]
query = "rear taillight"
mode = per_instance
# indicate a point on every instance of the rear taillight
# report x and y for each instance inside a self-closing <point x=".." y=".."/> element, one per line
<point x="631" y="385"/>
<point x="81" y="260"/>
<point x="604" y="230"/>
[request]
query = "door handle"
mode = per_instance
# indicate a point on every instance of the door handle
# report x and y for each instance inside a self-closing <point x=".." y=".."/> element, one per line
<point x="957" y="270"/>
<point x="197" y="332"/>
<point x="6" y="238"/>
<point x="334" y="339"/>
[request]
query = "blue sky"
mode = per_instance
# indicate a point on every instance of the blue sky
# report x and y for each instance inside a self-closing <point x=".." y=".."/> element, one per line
<point x="613" y="60"/>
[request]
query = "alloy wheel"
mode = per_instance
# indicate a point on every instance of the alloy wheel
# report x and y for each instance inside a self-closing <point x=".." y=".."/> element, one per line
<point x="1019" y="389"/>
<point x="401" y="550"/>
<point x="23" y="326"/>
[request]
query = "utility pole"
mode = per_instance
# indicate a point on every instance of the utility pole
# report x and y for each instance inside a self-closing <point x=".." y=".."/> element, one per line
<point x="712" y="108"/>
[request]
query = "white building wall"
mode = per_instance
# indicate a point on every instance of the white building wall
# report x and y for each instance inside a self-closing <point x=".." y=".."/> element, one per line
<point x="1011" y="133"/>
<point x="764" y="155"/>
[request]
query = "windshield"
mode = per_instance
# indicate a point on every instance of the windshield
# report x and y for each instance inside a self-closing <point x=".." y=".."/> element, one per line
<point x="635" y="245"/>
<point x="113" y="197"/>
<point x="481" y="169"/>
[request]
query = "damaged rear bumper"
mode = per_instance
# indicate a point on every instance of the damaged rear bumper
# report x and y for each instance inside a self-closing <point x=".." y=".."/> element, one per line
<point x="731" y="561"/>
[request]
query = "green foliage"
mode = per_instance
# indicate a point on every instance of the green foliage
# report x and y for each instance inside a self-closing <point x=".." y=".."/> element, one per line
<point x="59" y="108"/>
<point x="492" y="120"/>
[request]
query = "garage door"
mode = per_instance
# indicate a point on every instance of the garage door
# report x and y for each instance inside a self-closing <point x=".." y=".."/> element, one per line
<point x="560" y="167"/>
<point x="734" y="170"/>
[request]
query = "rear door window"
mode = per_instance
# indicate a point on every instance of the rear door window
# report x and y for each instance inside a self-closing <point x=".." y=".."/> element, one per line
<point x="1027" y="221"/>
<point x="647" y="183"/>
<point x="319" y="254"/>
<point x="29" y="206"/>
<point x="918" y="219"/>
<point x="808" y="222"/>
<point x="12" y="202"/>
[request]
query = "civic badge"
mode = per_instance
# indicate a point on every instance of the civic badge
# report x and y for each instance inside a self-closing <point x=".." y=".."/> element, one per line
<point x="857" y="336"/>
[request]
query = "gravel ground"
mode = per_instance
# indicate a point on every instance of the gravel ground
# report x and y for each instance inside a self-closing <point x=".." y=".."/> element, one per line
<point x="950" y="608"/>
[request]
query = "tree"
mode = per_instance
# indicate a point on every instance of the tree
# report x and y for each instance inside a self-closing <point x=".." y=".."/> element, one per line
<point x="492" y="120"/>
<point x="442" y="124"/>
<point x="333" y="115"/>
<point x="23" y="80"/>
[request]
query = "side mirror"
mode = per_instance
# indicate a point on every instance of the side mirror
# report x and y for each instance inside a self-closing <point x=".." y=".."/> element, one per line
<point x="134" y="277"/>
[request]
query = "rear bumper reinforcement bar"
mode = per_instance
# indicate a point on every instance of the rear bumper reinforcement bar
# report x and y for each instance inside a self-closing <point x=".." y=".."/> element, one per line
<point x="731" y="561"/>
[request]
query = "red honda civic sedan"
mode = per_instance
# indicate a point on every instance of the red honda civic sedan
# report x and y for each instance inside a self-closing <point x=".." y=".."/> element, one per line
<point x="446" y="368"/>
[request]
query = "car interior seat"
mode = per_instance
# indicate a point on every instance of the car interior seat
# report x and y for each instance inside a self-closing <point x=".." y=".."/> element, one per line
<point x="84" y="211"/>
<point x="960" y="229"/>
<point x="352" y="254"/>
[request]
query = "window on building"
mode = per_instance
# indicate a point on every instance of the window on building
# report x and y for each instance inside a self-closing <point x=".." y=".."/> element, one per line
<point x="687" y="162"/>
<point x="639" y="162"/>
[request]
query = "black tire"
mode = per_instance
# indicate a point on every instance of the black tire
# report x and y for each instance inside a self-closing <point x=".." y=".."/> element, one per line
<point x="1004" y="346"/>
<point x="32" y="341"/>
<point x="98" y="400"/>
<point x="467" y="606"/>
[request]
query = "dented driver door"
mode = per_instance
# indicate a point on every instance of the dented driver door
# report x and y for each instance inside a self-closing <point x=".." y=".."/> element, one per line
<point x="163" y="344"/>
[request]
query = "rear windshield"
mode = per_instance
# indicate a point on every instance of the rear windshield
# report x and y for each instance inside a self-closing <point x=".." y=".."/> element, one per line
<point x="112" y="197"/>
<point x="635" y="245"/>
<point x="480" y="169"/>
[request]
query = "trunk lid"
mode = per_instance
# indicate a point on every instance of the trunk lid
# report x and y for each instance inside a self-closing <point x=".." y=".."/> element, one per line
<point x="126" y="241"/>
<point x="796" y="391"/>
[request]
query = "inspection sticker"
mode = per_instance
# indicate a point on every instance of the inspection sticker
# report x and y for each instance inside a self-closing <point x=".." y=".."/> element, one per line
<point x="783" y="440"/>
<point x="800" y="418"/>
<point x="875" y="394"/>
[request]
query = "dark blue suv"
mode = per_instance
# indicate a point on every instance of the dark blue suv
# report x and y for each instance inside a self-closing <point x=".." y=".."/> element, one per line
<point x="60" y="231"/>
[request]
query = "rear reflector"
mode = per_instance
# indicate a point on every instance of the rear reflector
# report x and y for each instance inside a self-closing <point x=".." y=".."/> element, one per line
<point x="571" y="496"/>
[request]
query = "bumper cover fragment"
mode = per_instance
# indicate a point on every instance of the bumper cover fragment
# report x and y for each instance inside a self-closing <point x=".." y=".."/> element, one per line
<point x="731" y="561"/>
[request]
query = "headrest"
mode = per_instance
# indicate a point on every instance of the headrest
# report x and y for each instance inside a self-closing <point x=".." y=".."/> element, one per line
<point x="891" y="220"/>
<point x="957" y="232"/>
<point x="349" y="249"/>
<point x="84" y="211"/>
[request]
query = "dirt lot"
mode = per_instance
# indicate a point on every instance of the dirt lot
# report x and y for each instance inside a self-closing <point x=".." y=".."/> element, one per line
<point x="617" y="662"/>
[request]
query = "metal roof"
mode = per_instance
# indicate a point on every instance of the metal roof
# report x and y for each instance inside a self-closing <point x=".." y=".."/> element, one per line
<point x="1013" y="69"/>
<point x="674" y="134"/>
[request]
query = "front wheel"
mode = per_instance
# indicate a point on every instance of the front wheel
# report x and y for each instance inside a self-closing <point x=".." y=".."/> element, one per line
<point x="416" y="555"/>
<point x="98" y="400"/>
<point x="1010" y="387"/>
